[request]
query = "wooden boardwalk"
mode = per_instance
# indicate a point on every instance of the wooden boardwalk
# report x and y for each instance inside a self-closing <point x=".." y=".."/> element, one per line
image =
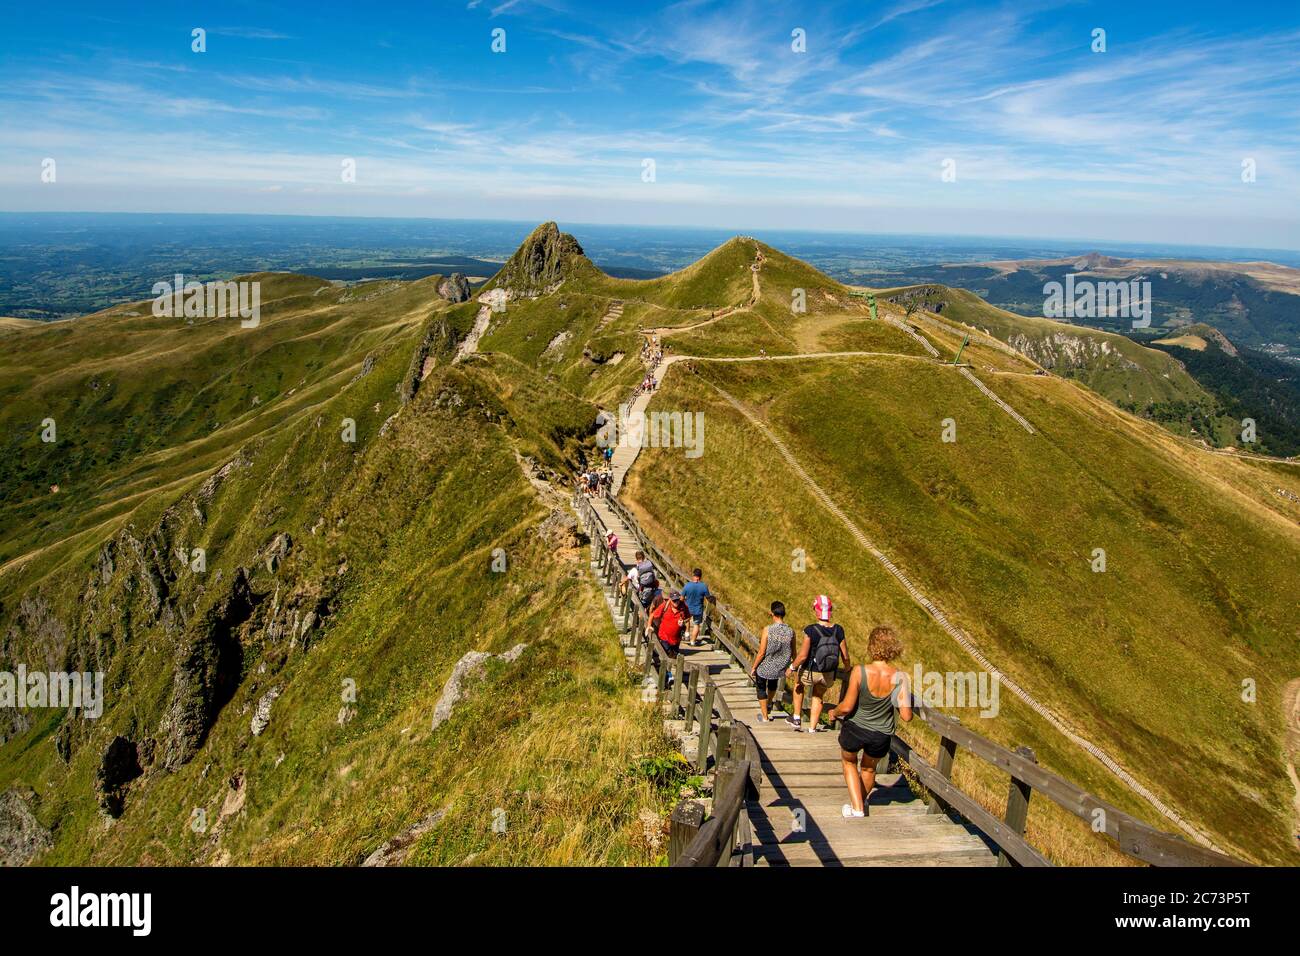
<point x="796" y="818"/>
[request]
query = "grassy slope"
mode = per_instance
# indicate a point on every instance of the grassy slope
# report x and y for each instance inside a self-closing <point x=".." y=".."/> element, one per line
<point x="411" y="519"/>
<point x="999" y="529"/>
<point x="1143" y="380"/>
<point x="1002" y="538"/>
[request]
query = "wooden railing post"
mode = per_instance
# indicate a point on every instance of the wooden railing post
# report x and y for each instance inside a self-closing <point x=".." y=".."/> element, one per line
<point x="684" y="824"/>
<point x="692" y="689"/>
<point x="740" y="747"/>
<point x="1017" y="814"/>
<point x="947" y="751"/>
<point x="679" y="663"/>
<point x="706" y="725"/>
<point x="727" y="770"/>
<point x="722" y="746"/>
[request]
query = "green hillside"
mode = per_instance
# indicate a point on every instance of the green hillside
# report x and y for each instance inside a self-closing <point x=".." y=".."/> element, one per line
<point x="1142" y="380"/>
<point x="335" y="566"/>
<point x="345" y="630"/>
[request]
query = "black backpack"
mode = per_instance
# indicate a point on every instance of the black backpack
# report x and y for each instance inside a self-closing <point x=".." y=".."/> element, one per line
<point x="825" y="655"/>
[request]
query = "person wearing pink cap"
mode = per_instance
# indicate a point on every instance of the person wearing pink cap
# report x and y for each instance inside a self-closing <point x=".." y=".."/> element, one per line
<point x="819" y="657"/>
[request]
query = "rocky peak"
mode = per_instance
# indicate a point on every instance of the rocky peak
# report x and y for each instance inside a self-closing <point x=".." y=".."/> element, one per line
<point x="541" y="263"/>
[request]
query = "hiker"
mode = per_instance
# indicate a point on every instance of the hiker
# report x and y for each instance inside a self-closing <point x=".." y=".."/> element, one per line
<point x="877" y="694"/>
<point x="628" y="581"/>
<point x="775" y="647"/>
<point x="647" y="582"/>
<point x="695" y="593"/>
<point x="667" y="621"/>
<point x="611" y="542"/>
<point x="819" y="657"/>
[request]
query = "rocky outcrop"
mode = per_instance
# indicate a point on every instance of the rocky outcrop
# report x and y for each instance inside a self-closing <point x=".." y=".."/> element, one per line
<point x="560" y="530"/>
<point x="207" y="672"/>
<point x="924" y="298"/>
<point x="394" y="851"/>
<point x="436" y="339"/>
<point x="541" y="263"/>
<point x="39" y="639"/>
<point x="1064" y="352"/>
<point x="262" y="712"/>
<point x="454" y="289"/>
<point x="22" y="837"/>
<point x="471" y="665"/>
<point x="555" y="348"/>
<point x="277" y="551"/>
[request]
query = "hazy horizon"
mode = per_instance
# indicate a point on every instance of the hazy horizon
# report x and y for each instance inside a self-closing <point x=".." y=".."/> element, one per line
<point x="571" y="224"/>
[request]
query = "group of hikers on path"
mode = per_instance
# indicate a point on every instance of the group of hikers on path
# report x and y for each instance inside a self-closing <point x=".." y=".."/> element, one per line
<point x="872" y="699"/>
<point x="595" y="482"/>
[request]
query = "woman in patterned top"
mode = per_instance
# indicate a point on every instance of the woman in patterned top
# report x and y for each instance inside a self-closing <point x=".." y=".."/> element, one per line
<point x="775" y="647"/>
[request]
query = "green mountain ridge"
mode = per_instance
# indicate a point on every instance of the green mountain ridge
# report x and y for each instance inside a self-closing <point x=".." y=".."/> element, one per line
<point x="344" y="579"/>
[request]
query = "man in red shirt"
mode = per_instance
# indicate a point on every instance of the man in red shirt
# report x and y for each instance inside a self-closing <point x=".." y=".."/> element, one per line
<point x="667" y="622"/>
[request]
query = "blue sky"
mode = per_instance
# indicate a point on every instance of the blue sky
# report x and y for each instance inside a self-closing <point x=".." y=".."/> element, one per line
<point x="1142" y="142"/>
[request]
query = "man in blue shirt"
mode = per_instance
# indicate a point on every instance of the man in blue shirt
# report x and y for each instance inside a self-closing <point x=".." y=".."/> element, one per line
<point x="695" y="593"/>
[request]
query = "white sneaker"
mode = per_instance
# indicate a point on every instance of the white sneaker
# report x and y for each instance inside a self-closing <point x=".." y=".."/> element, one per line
<point x="813" y="729"/>
<point x="848" y="811"/>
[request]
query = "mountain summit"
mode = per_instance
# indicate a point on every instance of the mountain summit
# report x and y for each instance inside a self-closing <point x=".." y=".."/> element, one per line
<point x="544" y="260"/>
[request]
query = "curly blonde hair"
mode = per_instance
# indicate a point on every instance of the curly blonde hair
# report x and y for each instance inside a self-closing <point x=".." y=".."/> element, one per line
<point x="883" y="644"/>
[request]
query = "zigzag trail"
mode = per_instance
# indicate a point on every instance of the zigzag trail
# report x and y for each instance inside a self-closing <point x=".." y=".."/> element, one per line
<point x="625" y="456"/>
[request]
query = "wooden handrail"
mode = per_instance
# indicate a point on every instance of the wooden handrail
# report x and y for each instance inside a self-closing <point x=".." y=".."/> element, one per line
<point x="1135" y="838"/>
<point x="1131" y="836"/>
<point x="714" y="844"/>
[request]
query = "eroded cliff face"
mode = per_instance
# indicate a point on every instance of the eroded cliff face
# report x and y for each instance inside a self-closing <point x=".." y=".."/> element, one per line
<point x="1064" y="352"/>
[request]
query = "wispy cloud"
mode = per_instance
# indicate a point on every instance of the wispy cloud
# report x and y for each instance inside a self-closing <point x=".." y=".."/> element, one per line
<point x="715" y="92"/>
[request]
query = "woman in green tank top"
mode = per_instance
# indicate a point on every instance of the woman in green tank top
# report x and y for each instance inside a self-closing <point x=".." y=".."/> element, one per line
<point x="877" y="694"/>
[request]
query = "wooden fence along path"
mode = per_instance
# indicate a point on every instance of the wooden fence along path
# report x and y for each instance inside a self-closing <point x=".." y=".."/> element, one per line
<point x="777" y="794"/>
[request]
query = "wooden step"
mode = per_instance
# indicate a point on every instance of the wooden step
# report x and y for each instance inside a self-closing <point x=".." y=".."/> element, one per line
<point x="811" y="855"/>
<point x="835" y="829"/>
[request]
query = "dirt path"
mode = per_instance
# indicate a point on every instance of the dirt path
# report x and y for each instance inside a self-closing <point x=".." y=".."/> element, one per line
<point x="470" y="345"/>
<point x="755" y="267"/>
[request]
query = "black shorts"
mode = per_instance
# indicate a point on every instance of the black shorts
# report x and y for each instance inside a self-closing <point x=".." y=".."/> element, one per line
<point x="669" y="649"/>
<point x="853" y="738"/>
<point x="766" y="686"/>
